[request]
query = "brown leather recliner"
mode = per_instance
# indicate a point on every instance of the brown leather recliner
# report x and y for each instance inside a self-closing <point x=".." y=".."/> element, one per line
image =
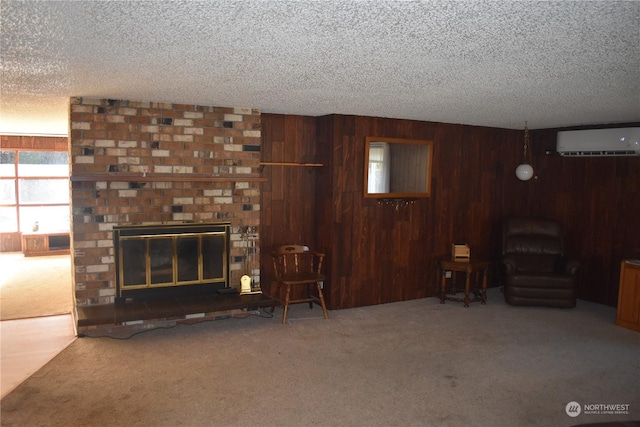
<point x="536" y="271"/>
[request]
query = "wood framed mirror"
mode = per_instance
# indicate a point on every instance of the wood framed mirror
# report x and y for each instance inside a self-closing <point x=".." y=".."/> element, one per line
<point x="397" y="168"/>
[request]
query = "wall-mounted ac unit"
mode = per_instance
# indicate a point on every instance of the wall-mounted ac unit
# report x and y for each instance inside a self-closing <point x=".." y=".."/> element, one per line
<point x="599" y="142"/>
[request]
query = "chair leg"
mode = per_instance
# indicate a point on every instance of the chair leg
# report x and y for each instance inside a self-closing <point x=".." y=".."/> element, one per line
<point x="321" y="296"/>
<point x="275" y="296"/>
<point x="286" y="304"/>
<point x="308" y="285"/>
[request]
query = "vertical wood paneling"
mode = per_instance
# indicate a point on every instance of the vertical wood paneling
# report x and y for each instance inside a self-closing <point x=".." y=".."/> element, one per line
<point x="377" y="254"/>
<point x="598" y="201"/>
<point x="288" y="207"/>
<point x="11" y="242"/>
<point x="403" y="243"/>
<point x="34" y="143"/>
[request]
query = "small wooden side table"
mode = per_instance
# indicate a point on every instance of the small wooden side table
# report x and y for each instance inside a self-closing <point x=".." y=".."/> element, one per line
<point x="468" y="266"/>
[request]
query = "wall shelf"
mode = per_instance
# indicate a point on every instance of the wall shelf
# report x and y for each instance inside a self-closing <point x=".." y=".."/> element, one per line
<point x="291" y="164"/>
<point x="294" y="164"/>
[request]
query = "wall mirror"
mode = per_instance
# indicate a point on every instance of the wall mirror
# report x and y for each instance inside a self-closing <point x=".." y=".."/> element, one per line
<point x="397" y="168"/>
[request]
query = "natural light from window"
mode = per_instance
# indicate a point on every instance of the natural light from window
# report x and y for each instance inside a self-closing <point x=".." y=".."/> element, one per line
<point x="34" y="191"/>
<point x="379" y="161"/>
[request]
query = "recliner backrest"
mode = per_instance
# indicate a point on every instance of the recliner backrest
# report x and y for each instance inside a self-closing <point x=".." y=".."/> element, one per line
<point x="535" y="243"/>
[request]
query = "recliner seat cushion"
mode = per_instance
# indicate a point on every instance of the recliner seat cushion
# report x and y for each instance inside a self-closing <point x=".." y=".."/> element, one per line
<point x="541" y="264"/>
<point x="541" y="281"/>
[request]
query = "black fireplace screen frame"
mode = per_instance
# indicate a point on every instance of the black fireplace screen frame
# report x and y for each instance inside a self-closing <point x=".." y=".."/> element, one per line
<point x="149" y="262"/>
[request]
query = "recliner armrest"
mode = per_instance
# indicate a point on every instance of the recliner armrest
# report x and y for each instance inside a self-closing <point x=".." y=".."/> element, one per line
<point x="566" y="266"/>
<point x="572" y="267"/>
<point x="510" y="265"/>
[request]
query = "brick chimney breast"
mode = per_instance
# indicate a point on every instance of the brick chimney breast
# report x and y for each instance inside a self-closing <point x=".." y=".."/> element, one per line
<point x="157" y="163"/>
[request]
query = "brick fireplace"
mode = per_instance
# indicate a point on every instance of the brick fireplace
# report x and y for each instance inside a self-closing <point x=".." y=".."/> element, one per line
<point x="147" y="163"/>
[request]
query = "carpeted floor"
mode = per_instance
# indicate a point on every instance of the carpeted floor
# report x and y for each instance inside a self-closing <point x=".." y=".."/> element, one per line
<point x="34" y="286"/>
<point x="412" y="363"/>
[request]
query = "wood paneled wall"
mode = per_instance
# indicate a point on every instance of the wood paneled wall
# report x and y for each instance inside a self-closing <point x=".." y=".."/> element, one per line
<point x="597" y="199"/>
<point x="382" y="254"/>
<point x="34" y="143"/>
<point x="287" y="207"/>
<point x="377" y="254"/>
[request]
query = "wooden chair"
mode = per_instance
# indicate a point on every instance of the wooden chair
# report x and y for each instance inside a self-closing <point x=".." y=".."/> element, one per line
<point x="297" y="266"/>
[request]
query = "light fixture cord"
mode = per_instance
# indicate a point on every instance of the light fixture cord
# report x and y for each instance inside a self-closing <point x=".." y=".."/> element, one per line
<point x="525" y="153"/>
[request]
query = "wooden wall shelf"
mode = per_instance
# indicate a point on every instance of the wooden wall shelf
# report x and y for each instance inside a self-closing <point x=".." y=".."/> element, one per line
<point x="165" y="178"/>
<point x="311" y="165"/>
<point x="294" y="164"/>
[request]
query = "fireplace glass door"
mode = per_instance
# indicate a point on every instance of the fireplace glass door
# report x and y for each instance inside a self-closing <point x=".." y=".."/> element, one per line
<point x="161" y="259"/>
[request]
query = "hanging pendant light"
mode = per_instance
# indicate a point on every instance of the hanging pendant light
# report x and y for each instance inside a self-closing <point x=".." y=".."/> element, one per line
<point x="524" y="171"/>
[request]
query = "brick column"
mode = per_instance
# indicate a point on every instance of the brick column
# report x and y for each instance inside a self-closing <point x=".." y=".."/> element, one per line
<point x="149" y="145"/>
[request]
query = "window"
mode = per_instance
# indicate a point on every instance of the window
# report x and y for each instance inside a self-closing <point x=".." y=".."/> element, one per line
<point x="34" y="191"/>
<point x="379" y="161"/>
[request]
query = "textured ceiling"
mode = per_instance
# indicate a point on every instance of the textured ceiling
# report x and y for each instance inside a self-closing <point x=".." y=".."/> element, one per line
<point x="496" y="63"/>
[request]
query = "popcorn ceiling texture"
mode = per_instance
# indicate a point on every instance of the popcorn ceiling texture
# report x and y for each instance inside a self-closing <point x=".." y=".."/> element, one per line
<point x="481" y="63"/>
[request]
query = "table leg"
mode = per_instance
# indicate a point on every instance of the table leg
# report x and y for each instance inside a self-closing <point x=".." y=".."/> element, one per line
<point x="483" y="298"/>
<point x="467" y="288"/>
<point x="443" y="284"/>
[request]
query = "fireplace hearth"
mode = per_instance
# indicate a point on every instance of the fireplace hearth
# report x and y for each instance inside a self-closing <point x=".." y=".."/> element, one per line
<point x="171" y="260"/>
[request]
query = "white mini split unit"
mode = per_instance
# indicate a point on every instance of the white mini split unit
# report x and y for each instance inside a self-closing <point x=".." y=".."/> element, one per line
<point x="599" y="142"/>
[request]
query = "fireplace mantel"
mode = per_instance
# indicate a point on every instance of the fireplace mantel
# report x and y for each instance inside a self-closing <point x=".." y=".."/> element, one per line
<point x="95" y="177"/>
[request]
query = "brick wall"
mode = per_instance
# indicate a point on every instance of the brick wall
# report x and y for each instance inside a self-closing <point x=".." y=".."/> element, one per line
<point x="146" y="162"/>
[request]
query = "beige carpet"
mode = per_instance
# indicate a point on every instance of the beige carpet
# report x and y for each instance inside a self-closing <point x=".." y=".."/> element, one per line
<point x="413" y="363"/>
<point x="34" y="286"/>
